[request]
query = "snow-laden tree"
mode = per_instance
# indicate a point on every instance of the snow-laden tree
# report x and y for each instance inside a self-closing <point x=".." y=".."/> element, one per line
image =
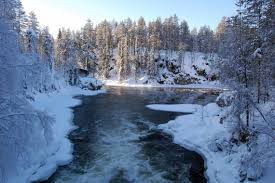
<point x="154" y="35"/>
<point x="141" y="33"/>
<point x="104" y="48"/>
<point x="24" y="132"/>
<point x="20" y="23"/>
<point x="46" y="47"/>
<point x="152" y="65"/>
<point x="170" y="33"/>
<point x="123" y="66"/>
<point x="205" y="40"/>
<point x="66" y="56"/>
<point x="247" y="48"/>
<point x="32" y="34"/>
<point x="141" y="44"/>
<point x="88" y="46"/>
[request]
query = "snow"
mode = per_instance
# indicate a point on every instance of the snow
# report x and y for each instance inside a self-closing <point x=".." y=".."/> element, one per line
<point x="214" y="86"/>
<point x="202" y="132"/>
<point x="192" y="67"/>
<point x="269" y="175"/>
<point x="257" y="53"/>
<point x="90" y="83"/>
<point x="56" y="104"/>
<point x="197" y="59"/>
<point x="184" y="108"/>
<point x="195" y="132"/>
<point x="85" y="80"/>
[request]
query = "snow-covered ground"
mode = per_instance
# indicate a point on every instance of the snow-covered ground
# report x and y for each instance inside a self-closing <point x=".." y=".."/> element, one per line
<point x="202" y="132"/>
<point x="56" y="104"/>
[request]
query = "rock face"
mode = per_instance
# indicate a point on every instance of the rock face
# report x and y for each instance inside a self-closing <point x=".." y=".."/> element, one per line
<point x="90" y="83"/>
<point x="171" y="73"/>
<point x="225" y="99"/>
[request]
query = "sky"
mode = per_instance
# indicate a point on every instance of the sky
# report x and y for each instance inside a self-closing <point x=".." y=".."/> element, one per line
<point x="74" y="13"/>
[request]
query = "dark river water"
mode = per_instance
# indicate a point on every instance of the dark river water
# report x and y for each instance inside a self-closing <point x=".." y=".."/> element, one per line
<point x="117" y="140"/>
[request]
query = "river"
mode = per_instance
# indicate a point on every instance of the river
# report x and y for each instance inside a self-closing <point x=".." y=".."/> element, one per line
<point x="117" y="140"/>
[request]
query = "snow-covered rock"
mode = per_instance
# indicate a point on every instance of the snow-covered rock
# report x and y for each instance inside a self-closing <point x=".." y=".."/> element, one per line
<point x="90" y="83"/>
<point x="225" y="99"/>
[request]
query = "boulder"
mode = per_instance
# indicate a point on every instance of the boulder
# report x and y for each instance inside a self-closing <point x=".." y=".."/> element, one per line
<point x="90" y="83"/>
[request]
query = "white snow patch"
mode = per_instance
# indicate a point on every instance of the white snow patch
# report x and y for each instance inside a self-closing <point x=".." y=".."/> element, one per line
<point x="56" y="104"/>
<point x="196" y="132"/>
<point x="184" y="108"/>
<point x="209" y="85"/>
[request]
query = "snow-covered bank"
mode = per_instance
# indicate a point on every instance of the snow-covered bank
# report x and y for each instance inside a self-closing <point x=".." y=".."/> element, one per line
<point x="57" y="105"/>
<point x="203" y="132"/>
<point x="214" y="86"/>
<point x="195" y="132"/>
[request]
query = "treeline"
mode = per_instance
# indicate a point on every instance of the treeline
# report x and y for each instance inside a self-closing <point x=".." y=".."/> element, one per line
<point x="25" y="132"/>
<point x="35" y="45"/>
<point x="134" y="45"/>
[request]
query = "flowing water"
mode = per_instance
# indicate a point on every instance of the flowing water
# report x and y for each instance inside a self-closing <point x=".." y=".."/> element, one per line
<point x="117" y="140"/>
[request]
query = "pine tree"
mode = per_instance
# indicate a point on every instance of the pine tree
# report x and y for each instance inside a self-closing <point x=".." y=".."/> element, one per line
<point x="152" y="67"/>
<point x="58" y="50"/>
<point x="33" y="23"/>
<point x="141" y="44"/>
<point x="88" y="46"/>
<point x="20" y="23"/>
<point x="184" y="37"/>
<point x="194" y="40"/>
<point x="205" y="40"/>
<point x="104" y="48"/>
<point x="8" y="12"/>
<point x="154" y="37"/>
<point x="123" y="66"/>
<point x="141" y="33"/>
<point x="32" y="33"/>
<point x="170" y="33"/>
<point x="47" y="48"/>
<point x="220" y="29"/>
<point x="268" y="48"/>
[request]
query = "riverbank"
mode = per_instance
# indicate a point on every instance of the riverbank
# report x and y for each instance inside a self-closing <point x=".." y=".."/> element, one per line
<point x="202" y="132"/>
<point x="58" y="105"/>
<point x="195" y="132"/>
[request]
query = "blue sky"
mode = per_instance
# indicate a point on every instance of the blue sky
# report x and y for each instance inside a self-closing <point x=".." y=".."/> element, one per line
<point x="73" y="13"/>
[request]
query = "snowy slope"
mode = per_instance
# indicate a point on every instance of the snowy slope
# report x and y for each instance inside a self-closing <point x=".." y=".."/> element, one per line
<point x="191" y="68"/>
